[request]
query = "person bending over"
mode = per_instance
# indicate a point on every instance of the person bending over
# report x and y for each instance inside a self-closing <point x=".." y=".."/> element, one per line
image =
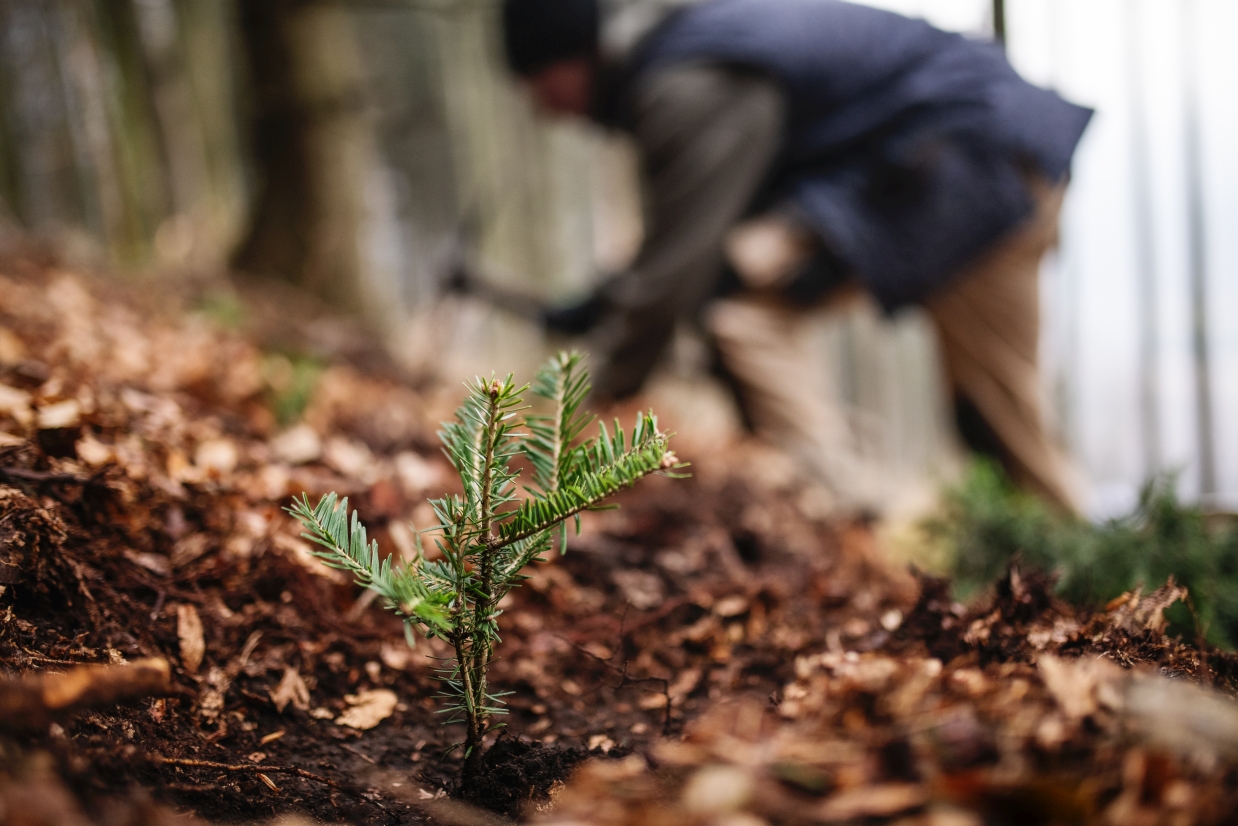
<point x="794" y="154"/>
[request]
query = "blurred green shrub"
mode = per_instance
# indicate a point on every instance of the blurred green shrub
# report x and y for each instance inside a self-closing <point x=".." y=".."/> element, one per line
<point x="290" y="379"/>
<point x="223" y="308"/>
<point x="987" y="521"/>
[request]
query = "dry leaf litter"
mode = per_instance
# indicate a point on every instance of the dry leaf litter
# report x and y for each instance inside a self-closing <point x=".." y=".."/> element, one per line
<point x="712" y="653"/>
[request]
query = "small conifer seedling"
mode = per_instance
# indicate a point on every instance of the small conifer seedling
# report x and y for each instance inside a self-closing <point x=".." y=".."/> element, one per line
<point x="488" y="534"/>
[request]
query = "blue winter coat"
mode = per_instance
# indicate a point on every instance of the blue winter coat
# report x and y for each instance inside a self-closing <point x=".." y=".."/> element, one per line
<point x="907" y="147"/>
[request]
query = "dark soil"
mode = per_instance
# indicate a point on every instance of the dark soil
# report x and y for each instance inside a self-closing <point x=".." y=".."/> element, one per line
<point x="157" y="495"/>
<point x="516" y="775"/>
<point x="695" y="590"/>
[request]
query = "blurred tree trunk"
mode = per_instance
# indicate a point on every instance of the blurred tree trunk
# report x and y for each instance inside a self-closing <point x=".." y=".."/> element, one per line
<point x="277" y="241"/>
<point x="185" y="46"/>
<point x="117" y="131"/>
<point x="137" y="136"/>
<point x="322" y="203"/>
<point x="208" y="41"/>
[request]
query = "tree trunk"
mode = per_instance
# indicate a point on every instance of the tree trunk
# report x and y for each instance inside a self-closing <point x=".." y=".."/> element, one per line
<point x="277" y="242"/>
<point x="324" y="216"/>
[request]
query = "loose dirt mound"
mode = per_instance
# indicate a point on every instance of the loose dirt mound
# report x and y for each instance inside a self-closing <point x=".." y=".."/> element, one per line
<point x="142" y="474"/>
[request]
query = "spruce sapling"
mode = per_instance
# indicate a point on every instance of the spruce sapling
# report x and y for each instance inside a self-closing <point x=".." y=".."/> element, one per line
<point x="490" y="533"/>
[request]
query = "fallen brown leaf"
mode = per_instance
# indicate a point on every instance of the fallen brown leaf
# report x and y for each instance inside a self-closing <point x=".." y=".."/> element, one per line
<point x="291" y="689"/>
<point x="1136" y="614"/>
<point x="883" y="800"/>
<point x="189" y="632"/>
<point x="367" y="708"/>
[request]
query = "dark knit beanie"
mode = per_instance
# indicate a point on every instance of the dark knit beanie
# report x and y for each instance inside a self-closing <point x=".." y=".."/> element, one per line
<point x="538" y="33"/>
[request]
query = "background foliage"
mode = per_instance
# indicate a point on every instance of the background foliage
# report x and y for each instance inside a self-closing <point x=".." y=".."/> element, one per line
<point x="987" y="522"/>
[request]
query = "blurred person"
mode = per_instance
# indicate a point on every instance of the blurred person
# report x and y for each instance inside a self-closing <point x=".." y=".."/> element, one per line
<point x="794" y="155"/>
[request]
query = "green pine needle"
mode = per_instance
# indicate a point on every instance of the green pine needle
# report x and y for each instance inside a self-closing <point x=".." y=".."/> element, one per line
<point x="491" y="532"/>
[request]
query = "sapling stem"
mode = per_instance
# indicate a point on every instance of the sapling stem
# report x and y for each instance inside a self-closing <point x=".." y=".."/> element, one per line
<point x="489" y="534"/>
<point x="479" y="655"/>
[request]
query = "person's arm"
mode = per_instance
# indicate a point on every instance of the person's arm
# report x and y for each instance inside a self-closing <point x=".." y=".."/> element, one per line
<point x="707" y="135"/>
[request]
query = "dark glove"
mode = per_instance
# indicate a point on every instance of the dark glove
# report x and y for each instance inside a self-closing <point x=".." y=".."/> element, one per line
<point x="578" y="318"/>
<point x="824" y="273"/>
<point x="460" y="281"/>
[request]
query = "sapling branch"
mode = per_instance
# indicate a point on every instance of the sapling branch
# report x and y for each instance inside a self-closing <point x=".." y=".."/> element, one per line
<point x="487" y="535"/>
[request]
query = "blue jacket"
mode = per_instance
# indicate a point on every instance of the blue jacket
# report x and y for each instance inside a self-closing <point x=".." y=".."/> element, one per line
<point x="907" y="147"/>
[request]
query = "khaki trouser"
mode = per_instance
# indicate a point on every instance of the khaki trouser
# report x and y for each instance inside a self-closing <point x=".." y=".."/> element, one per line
<point x="988" y="324"/>
<point x="987" y="320"/>
<point x="707" y="136"/>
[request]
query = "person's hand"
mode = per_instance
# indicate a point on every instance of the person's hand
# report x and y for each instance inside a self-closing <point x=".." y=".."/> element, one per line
<point x="768" y="252"/>
<point x="460" y="281"/>
<point x="578" y="318"/>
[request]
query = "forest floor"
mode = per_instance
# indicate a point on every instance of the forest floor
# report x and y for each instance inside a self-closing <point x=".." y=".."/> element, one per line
<point x="708" y="653"/>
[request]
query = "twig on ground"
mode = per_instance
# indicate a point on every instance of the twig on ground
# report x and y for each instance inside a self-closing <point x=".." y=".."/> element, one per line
<point x="33" y="478"/>
<point x="248" y="768"/>
<point x="364" y="757"/>
<point x="32" y="702"/>
<point x="43" y="476"/>
<point x="649" y="619"/>
<point x="154" y="612"/>
<point x="33" y="659"/>
<point x="624" y="679"/>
